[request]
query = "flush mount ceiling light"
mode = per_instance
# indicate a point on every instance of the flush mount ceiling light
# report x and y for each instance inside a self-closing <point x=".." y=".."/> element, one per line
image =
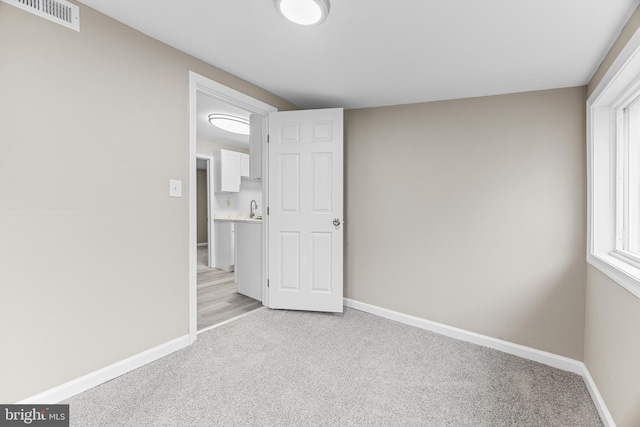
<point x="303" y="12"/>
<point x="230" y="123"/>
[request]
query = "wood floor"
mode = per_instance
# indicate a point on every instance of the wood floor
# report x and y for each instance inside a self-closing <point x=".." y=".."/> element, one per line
<point x="218" y="297"/>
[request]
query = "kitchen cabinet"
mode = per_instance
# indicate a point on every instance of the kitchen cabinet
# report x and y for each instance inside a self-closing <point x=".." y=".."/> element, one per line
<point x="258" y="130"/>
<point x="245" y="170"/>
<point x="228" y="171"/>
<point x="249" y="258"/>
<point x="224" y="244"/>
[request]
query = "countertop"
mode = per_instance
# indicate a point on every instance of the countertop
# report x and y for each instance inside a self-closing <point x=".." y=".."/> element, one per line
<point x="236" y="217"/>
<point x="247" y="220"/>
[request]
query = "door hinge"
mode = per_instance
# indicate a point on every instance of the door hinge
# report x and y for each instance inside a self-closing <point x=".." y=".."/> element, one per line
<point x="267" y="210"/>
<point x="268" y="138"/>
<point x="267" y="283"/>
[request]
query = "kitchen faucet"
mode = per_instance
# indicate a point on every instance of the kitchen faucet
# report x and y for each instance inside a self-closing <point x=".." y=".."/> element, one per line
<point x="251" y="205"/>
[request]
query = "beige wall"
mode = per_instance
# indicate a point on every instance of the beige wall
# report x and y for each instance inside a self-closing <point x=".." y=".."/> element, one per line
<point x="201" y="205"/>
<point x="472" y="213"/>
<point x="93" y="252"/>
<point x="612" y="347"/>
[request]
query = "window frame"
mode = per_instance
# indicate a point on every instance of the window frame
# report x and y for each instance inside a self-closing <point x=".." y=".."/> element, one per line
<point x="618" y="89"/>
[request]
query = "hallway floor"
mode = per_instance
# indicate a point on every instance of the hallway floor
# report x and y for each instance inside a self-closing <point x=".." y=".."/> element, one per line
<point x="218" y="297"/>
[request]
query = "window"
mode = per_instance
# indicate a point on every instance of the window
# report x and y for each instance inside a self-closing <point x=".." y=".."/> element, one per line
<point x="628" y="181"/>
<point x="613" y="155"/>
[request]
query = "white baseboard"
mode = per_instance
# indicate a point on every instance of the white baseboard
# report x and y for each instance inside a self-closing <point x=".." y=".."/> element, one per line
<point x="605" y="415"/>
<point x="203" y="244"/>
<point x="554" y="360"/>
<point x="85" y="382"/>
<point x="546" y="358"/>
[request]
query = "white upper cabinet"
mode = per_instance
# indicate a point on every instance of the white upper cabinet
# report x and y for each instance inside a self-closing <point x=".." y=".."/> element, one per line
<point x="258" y="130"/>
<point x="229" y="168"/>
<point x="244" y="165"/>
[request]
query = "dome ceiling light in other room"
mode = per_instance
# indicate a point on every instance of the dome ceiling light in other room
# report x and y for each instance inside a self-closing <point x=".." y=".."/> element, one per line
<point x="230" y="123"/>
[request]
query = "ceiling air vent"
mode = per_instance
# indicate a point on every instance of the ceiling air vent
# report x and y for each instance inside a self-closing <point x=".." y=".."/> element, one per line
<point x="59" y="11"/>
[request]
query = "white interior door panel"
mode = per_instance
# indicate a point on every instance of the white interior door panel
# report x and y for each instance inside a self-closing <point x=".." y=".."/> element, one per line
<point x="306" y="210"/>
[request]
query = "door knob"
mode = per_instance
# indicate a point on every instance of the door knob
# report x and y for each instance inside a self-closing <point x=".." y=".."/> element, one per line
<point x="336" y="222"/>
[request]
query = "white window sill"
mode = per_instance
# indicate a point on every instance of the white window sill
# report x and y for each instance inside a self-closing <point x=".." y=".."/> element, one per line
<point x="623" y="273"/>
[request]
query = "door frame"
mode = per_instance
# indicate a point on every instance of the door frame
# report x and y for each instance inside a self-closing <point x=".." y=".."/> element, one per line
<point x="199" y="83"/>
<point x="210" y="211"/>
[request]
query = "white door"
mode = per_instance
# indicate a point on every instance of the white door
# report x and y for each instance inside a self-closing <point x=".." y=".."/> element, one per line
<point x="306" y="210"/>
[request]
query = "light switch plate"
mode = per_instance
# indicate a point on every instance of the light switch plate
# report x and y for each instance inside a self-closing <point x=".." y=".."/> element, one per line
<point x="175" y="188"/>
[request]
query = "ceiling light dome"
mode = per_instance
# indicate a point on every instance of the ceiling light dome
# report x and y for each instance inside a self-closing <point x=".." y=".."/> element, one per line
<point x="230" y="123"/>
<point x="303" y="12"/>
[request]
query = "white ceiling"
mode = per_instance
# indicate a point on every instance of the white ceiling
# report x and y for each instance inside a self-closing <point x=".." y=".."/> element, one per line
<point x="374" y="52"/>
<point x="206" y="105"/>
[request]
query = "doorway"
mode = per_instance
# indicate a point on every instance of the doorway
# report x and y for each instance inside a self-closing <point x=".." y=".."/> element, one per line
<point x="204" y="209"/>
<point x="305" y="214"/>
<point x="219" y="298"/>
<point x="198" y="86"/>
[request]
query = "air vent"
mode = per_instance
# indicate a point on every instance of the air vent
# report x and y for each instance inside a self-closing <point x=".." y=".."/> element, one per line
<point x="59" y="11"/>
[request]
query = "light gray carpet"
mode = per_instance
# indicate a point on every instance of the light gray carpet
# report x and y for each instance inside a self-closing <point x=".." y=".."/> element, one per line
<point x="281" y="368"/>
